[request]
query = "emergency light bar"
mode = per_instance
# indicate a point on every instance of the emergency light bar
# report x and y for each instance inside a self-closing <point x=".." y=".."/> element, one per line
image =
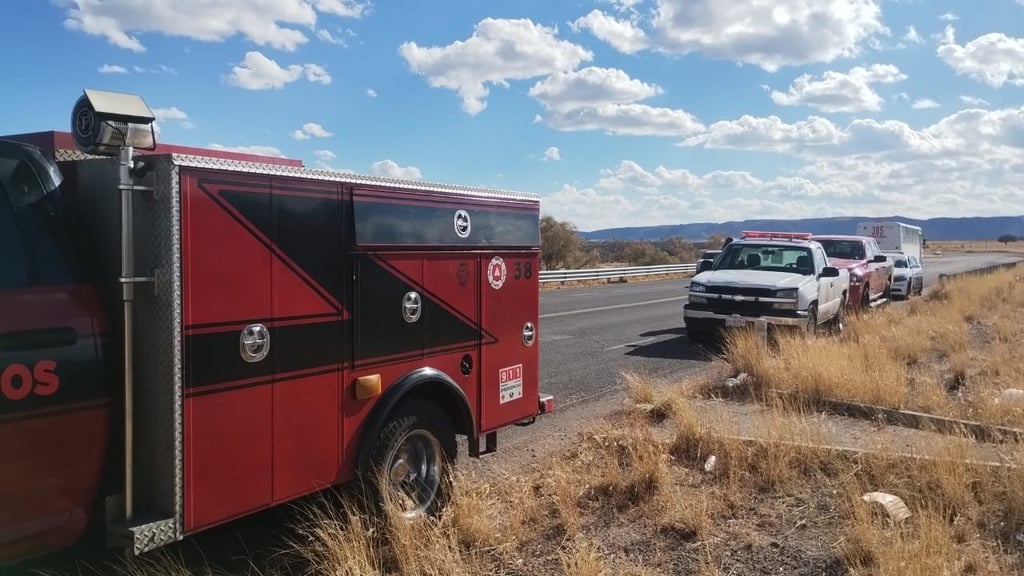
<point x="777" y="235"/>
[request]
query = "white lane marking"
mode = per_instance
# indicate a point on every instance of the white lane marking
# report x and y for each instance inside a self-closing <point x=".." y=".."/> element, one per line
<point x="553" y="337"/>
<point x="637" y="343"/>
<point x="613" y="307"/>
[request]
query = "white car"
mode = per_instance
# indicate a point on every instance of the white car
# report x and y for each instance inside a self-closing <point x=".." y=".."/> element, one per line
<point x="782" y="278"/>
<point x="908" y="275"/>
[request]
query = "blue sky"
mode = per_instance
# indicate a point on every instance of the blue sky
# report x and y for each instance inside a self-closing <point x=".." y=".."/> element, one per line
<point x="618" y="112"/>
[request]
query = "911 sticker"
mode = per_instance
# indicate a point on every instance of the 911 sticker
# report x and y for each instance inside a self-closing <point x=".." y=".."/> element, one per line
<point x="510" y="383"/>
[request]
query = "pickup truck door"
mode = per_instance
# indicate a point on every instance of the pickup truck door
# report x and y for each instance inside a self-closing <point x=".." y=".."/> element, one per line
<point x="828" y="294"/>
<point x="53" y="404"/>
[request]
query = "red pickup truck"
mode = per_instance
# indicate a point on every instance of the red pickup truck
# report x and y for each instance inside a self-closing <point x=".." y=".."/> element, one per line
<point x="870" y="270"/>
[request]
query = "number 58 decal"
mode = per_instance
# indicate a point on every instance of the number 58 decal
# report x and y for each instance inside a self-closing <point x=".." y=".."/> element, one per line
<point x="522" y="270"/>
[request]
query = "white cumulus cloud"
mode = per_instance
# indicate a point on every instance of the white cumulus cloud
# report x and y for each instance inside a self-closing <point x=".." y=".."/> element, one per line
<point x="606" y="99"/>
<point x="994" y="59"/>
<point x="552" y="153"/>
<point x="968" y="163"/>
<point x="766" y="33"/>
<point x="391" y="169"/>
<point x="311" y="130"/>
<point x="269" y="23"/>
<point x="840" y="92"/>
<point x="112" y="69"/>
<point x="499" y="50"/>
<point x="172" y="114"/>
<point x="924" y="104"/>
<point x="625" y="35"/>
<point x="257" y="72"/>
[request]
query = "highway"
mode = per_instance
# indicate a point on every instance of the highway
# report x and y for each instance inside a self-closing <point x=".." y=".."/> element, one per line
<point x="589" y="335"/>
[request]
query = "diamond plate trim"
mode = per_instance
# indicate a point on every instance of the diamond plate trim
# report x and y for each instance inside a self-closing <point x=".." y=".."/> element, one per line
<point x="147" y="537"/>
<point x="68" y="155"/>
<point x="159" y="338"/>
<point x="352" y="178"/>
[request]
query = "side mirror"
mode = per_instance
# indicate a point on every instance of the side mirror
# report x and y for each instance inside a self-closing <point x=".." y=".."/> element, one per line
<point x="705" y="265"/>
<point x="830" y="272"/>
<point x="879" y="258"/>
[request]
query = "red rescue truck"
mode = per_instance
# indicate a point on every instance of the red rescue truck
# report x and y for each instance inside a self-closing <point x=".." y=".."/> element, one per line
<point x="189" y="336"/>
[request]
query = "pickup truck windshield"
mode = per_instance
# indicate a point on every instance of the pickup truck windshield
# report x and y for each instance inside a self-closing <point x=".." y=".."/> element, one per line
<point x="767" y="257"/>
<point x="843" y="249"/>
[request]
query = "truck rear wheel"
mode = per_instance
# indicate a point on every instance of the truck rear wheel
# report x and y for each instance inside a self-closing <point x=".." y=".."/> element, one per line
<point x="412" y="459"/>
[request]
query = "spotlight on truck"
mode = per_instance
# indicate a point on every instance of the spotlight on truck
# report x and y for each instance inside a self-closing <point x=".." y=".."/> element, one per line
<point x="102" y="123"/>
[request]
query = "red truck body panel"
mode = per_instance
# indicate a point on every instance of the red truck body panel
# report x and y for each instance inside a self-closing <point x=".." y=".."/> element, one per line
<point x="271" y="249"/>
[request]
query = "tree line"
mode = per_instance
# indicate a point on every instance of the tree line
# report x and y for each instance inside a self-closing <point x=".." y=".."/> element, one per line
<point x="562" y="248"/>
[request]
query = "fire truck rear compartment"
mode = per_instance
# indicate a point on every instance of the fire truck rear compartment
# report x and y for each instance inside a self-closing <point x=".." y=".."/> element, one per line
<point x="217" y="436"/>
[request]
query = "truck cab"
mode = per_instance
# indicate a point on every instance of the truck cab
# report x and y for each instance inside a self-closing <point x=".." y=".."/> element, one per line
<point x="54" y="405"/>
<point x="782" y="279"/>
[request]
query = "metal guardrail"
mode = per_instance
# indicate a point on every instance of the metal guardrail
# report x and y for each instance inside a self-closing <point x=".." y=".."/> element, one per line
<point x="980" y="271"/>
<point x="613" y="273"/>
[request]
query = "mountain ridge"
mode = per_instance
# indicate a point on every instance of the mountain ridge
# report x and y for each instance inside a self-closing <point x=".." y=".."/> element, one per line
<point x="947" y="228"/>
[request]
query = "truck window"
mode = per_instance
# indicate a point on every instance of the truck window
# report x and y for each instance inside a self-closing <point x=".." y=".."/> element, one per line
<point x="14" y="272"/>
<point x="766" y="257"/>
<point x="844" y="249"/>
<point x="820" y="261"/>
<point x="45" y="235"/>
<point x="36" y="247"/>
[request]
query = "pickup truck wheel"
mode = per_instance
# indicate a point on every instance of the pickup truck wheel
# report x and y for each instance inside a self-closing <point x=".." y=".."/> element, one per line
<point x="812" y="320"/>
<point x="412" y="457"/>
<point x="838" y="323"/>
<point x="865" y="298"/>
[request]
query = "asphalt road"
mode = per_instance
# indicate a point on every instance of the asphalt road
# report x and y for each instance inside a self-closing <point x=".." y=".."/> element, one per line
<point x="589" y="335"/>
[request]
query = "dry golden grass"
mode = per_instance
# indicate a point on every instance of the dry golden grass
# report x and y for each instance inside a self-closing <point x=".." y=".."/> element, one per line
<point x="637" y="497"/>
<point x="951" y="354"/>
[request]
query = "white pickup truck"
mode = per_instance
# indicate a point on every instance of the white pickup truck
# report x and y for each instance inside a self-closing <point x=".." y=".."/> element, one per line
<point x="782" y="278"/>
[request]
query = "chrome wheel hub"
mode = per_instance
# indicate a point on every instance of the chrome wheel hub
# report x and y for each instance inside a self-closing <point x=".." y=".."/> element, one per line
<point x="414" y="472"/>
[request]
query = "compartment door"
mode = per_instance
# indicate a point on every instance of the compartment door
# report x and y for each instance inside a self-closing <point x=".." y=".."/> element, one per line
<point x="226" y="279"/>
<point x="389" y="308"/>
<point x="452" y="315"/>
<point x="510" y="375"/>
<point x="309" y="337"/>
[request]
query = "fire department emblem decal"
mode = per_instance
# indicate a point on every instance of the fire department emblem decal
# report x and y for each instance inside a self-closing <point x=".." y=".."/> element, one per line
<point x="496" y="272"/>
<point x="462" y="224"/>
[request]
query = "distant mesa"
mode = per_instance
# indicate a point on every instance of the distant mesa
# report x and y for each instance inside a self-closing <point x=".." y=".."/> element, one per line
<point x="972" y="228"/>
